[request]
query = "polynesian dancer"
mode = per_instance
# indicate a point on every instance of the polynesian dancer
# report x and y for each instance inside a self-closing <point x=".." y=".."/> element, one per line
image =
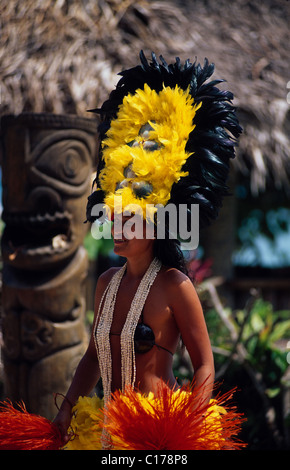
<point x="167" y="136"/>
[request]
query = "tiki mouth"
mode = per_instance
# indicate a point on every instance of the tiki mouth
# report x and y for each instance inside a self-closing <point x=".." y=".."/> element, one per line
<point x="36" y="234"/>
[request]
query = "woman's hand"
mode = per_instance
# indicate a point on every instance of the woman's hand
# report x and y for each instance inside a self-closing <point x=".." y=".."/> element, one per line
<point x="63" y="419"/>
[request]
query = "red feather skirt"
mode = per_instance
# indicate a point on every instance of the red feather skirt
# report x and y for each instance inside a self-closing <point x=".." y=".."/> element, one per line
<point x="20" y="430"/>
<point x="169" y="420"/>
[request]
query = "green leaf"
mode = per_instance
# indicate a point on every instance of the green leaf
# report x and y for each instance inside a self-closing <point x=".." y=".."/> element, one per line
<point x="279" y="331"/>
<point x="257" y="322"/>
<point x="273" y="392"/>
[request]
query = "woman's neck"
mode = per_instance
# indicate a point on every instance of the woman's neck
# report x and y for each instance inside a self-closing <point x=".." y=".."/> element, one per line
<point x="137" y="266"/>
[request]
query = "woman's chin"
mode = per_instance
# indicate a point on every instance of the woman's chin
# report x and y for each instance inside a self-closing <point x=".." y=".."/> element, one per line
<point x="120" y="246"/>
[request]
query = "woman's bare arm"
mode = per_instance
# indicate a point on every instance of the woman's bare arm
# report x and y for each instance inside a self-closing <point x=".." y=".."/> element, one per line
<point x="189" y="318"/>
<point x="87" y="373"/>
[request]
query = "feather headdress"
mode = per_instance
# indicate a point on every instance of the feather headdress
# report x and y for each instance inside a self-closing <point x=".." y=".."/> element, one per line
<point x="167" y="136"/>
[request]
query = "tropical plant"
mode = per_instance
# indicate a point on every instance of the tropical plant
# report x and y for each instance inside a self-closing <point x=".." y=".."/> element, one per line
<point x="250" y="352"/>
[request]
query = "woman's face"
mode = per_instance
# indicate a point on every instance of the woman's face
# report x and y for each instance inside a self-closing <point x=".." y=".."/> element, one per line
<point x="130" y="237"/>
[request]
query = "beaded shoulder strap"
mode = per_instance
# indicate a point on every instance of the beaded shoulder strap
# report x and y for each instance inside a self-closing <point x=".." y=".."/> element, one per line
<point x="127" y="336"/>
<point x="102" y="330"/>
<point x="104" y="322"/>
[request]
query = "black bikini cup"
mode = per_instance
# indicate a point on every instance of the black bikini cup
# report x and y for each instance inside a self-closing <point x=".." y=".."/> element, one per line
<point x="144" y="338"/>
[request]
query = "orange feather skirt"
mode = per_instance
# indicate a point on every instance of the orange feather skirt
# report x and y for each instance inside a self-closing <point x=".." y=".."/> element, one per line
<point x="168" y="420"/>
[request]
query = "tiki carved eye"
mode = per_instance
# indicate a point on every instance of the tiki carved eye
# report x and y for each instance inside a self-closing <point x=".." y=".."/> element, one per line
<point x="65" y="161"/>
<point x="62" y="160"/>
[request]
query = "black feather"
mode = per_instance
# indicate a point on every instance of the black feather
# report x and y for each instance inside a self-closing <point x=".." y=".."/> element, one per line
<point x="212" y="141"/>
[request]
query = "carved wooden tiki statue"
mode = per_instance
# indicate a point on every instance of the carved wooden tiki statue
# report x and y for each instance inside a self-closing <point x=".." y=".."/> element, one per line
<point x="47" y="167"/>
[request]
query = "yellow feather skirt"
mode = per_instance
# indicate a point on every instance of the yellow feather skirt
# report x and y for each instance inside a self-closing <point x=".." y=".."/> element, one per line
<point x="170" y="420"/>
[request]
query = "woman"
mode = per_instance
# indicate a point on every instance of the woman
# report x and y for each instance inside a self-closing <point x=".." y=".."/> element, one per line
<point x="166" y="138"/>
<point x="172" y="309"/>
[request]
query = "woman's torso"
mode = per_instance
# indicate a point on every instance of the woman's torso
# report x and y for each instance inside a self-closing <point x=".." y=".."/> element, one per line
<point x="155" y="365"/>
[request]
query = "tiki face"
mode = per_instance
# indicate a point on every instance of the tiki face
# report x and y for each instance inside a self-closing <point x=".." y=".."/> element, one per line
<point x="44" y="334"/>
<point x="47" y="165"/>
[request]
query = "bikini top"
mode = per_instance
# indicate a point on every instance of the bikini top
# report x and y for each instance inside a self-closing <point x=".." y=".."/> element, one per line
<point x="144" y="338"/>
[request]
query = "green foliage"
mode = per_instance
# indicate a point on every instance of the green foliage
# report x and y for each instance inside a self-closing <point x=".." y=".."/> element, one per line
<point x="262" y="332"/>
<point x="95" y="247"/>
<point x="259" y="330"/>
<point x="250" y="353"/>
<point x="89" y="319"/>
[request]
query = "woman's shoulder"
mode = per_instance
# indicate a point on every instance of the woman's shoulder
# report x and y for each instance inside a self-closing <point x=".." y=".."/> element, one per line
<point x="103" y="281"/>
<point x="179" y="290"/>
<point x="105" y="277"/>
<point x="173" y="277"/>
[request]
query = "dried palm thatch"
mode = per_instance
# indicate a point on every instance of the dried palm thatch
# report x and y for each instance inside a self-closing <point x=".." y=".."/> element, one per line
<point x="63" y="57"/>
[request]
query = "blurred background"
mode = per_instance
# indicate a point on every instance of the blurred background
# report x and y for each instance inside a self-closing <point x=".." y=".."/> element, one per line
<point x="63" y="57"/>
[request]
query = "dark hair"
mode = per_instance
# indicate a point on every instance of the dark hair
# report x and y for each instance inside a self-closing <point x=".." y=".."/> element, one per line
<point x="168" y="251"/>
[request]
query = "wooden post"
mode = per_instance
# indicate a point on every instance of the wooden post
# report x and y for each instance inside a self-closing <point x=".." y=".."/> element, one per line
<point x="47" y="166"/>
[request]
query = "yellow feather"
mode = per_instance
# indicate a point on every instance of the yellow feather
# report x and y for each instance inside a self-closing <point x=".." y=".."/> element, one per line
<point x="171" y="114"/>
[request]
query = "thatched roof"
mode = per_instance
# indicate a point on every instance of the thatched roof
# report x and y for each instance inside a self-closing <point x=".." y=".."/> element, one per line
<point x="63" y="57"/>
